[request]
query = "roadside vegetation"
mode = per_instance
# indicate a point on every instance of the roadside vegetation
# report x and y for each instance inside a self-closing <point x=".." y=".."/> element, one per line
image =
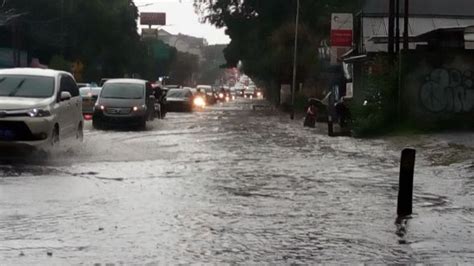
<point x="94" y="39"/>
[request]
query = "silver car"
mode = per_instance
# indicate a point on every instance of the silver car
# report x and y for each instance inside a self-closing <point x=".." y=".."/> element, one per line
<point x="38" y="107"/>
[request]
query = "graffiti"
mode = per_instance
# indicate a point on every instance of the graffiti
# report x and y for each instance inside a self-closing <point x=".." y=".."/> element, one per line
<point x="448" y="90"/>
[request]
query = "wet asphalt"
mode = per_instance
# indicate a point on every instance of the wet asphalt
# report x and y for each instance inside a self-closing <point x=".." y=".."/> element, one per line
<point x="235" y="185"/>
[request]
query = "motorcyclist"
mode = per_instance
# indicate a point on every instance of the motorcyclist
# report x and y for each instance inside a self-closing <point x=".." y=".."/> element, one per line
<point x="160" y="105"/>
<point x="311" y="115"/>
<point x="343" y="113"/>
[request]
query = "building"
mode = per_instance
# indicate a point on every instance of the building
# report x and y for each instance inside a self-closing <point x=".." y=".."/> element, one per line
<point x="435" y="76"/>
<point x="425" y="16"/>
<point x="184" y="43"/>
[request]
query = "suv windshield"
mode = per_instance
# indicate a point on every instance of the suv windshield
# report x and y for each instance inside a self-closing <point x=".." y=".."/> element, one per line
<point x="123" y="91"/>
<point x="26" y="86"/>
<point x="89" y="91"/>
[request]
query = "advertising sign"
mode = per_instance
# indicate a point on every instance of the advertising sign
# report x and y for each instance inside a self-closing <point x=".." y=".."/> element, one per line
<point x="342" y="25"/>
<point x="153" y="18"/>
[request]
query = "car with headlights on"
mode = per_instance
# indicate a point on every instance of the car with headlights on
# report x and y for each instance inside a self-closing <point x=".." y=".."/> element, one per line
<point x="180" y="100"/>
<point x="39" y="107"/>
<point x="124" y="102"/>
<point x="211" y="97"/>
<point x="250" y="92"/>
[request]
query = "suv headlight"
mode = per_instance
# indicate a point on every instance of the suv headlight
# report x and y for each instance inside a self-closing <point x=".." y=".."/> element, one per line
<point x="38" y="112"/>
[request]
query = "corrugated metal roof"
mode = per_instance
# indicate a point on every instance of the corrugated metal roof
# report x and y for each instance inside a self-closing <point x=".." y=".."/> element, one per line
<point x="434" y="8"/>
<point x="377" y="27"/>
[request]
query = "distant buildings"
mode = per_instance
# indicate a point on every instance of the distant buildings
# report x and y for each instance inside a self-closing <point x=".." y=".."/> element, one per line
<point x="184" y="43"/>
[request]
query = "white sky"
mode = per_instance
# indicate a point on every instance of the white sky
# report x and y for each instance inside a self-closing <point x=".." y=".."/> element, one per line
<point x="181" y="18"/>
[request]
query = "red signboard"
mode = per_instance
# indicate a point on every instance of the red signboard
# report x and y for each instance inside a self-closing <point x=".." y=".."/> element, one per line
<point x="148" y="18"/>
<point x="341" y="38"/>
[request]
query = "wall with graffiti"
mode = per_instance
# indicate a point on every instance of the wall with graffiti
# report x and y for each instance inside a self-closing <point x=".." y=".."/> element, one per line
<point x="438" y="87"/>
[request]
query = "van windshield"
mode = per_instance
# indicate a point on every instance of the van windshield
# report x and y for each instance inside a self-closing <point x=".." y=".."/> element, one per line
<point x="123" y="91"/>
<point x="26" y="86"/>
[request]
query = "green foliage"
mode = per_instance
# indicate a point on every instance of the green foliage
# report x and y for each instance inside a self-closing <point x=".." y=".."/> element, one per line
<point x="378" y="113"/>
<point x="102" y="34"/>
<point x="210" y="68"/>
<point x="301" y="102"/>
<point x="59" y="63"/>
<point x="184" y="68"/>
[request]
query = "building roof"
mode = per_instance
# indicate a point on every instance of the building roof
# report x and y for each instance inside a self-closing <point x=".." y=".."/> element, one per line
<point x="191" y="40"/>
<point x="426" y="8"/>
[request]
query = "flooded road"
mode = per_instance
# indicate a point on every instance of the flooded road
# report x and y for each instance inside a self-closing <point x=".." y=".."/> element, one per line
<point x="233" y="185"/>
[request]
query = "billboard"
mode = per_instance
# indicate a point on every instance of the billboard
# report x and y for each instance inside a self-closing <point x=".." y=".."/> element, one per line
<point x="342" y="25"/>
<point x="153" y="18"/>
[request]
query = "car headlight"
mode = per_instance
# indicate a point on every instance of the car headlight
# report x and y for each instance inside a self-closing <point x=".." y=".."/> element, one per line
<point x="199" y="102"/>
<point x="37" y="112"/>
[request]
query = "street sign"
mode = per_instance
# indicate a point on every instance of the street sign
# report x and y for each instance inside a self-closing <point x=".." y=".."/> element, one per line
<point x="153" y="18"/>
<point x="342" y="25"/>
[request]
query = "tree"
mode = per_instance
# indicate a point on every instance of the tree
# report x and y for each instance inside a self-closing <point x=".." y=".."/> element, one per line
<point x="101" y="34"/>
<point x="211" y="68"/>
<point x="184" y="68"/>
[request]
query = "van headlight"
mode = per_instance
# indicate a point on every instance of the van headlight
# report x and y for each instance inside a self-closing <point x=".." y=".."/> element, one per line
<point x="38" y="112"/>
<point x="139" y="108"/>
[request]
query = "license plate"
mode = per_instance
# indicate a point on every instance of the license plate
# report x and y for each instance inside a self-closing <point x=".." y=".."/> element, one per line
<point x="6" y="134"/>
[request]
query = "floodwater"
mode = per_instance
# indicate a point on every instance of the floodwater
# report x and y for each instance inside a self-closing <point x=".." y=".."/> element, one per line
<point x="235" y="185"/>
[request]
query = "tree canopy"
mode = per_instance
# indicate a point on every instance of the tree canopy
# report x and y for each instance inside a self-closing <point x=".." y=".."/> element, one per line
<point x="101" y="34"/>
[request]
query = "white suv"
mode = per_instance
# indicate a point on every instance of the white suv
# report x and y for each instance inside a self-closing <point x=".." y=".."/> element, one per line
<point x="38" y="107"/>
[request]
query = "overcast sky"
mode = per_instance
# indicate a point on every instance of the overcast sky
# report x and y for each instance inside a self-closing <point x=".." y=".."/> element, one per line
<point x="181" y="18"/>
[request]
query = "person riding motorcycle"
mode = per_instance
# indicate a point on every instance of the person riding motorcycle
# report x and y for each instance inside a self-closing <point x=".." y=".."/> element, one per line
<point x="160" y="102"/>
<point x="311" y="115"/>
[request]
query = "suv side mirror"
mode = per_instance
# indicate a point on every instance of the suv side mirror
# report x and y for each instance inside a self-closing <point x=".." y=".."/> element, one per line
<point x="65" y="96"/>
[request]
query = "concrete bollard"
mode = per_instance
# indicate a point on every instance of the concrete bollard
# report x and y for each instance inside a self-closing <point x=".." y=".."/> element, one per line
<point x="330" y="126"/>
<point x="405" y="192"/>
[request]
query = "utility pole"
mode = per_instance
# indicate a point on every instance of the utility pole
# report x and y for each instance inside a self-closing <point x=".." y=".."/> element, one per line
<point x="391" y="31"/>
<point x="397" y="26"/>
<point x="406" y="35"/>
<point x="295" y="60"/>
<point x="62" y="28"/>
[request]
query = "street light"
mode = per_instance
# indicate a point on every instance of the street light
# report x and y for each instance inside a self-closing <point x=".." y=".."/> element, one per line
<point x="295" y="60"/>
